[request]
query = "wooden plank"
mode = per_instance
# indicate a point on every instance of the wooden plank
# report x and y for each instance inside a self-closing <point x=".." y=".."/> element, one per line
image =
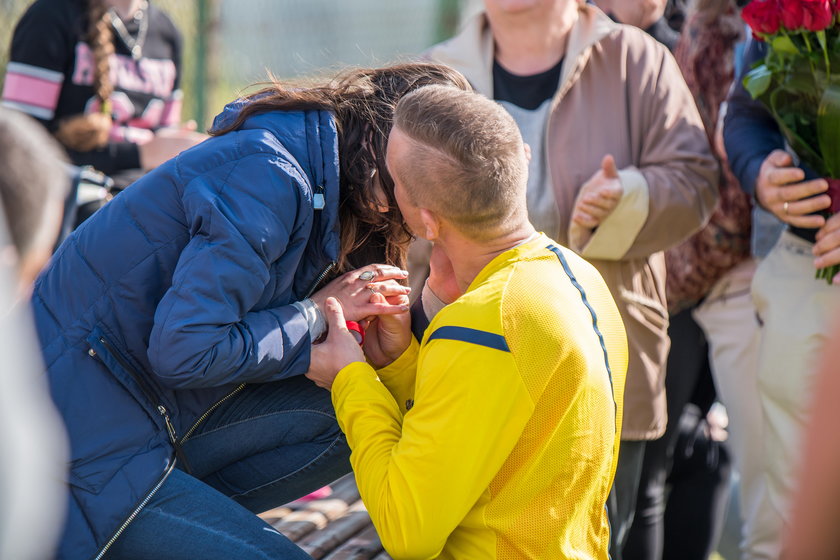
<point x="363" y="546"/>
<point x="319" y="544"/>
<point x="298" y="524"/>
<point x="300" y="518"/>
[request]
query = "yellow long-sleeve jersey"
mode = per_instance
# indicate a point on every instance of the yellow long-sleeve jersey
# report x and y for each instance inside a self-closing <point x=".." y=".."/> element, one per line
<point x="498" y="436"/>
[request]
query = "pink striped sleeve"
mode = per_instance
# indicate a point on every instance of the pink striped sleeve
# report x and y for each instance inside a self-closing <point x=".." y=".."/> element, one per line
<point x="32" y="90"/>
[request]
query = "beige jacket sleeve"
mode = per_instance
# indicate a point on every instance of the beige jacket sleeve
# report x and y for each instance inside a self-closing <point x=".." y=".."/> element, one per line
<point x="672" y="190"/>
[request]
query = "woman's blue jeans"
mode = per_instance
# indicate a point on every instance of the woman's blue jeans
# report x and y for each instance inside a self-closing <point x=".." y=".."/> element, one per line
<point x="266" y="446"/>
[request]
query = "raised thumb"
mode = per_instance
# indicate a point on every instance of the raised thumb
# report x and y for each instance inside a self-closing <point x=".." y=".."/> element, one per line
<point x="609" y="167"/>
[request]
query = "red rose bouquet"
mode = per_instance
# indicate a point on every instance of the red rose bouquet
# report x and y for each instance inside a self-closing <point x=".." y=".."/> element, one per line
<point x="799" y="82"/>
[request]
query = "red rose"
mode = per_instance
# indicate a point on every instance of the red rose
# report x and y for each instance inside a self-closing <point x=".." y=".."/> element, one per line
<point x="792" y="13"/>
<point x="818" y="14"/>
<point x="763" y="17"/>
<point x="813" y="15"/>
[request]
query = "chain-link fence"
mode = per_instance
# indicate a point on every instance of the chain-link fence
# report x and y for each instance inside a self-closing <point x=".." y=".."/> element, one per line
<point x="245" y="40"/>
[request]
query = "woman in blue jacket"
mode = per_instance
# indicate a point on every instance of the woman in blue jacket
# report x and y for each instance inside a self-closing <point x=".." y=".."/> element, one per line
<point x="176" y="323"/>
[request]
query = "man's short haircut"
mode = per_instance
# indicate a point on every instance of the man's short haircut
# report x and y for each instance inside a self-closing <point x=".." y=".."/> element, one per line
<point x="33" y="176"/>
<point x="468" y="162"/>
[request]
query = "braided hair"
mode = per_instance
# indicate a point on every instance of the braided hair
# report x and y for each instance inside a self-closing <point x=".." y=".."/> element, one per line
<point x="101" y="40"/>
<point x="88" y="132"/>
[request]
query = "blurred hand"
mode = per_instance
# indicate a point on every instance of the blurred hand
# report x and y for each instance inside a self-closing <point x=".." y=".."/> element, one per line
<point x="387" y="336"/>
<point x="597" y="199"/>
<point x="337" y="351"/>
<point x="442" y="279"/>
<point x="168" y="143"/>
<point x="780" y="189"/>
<point x="354" y="292"/>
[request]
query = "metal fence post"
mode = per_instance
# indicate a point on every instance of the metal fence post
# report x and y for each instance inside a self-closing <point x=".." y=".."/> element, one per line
<point x="200" y="86"/>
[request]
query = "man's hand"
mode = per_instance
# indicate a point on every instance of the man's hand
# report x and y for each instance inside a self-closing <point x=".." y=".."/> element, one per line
<point x="354" y="288"/>
<point x="780" y="189"/>
<point x="387" y="336"/>
<point x="597" y="199"/>
<point x="337" y="351"/>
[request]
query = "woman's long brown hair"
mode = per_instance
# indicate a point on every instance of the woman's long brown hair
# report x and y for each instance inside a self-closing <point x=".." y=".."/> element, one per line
<point x="363" y="102"/>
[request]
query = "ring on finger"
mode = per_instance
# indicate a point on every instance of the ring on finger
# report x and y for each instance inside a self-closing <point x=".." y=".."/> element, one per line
<point x="367" y="275"/>
<point x="785" y="207"/>
<point x="372" y="289"/>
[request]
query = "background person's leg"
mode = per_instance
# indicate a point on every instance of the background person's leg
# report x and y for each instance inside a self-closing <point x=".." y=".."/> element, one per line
<point x="270" y="444"/>
<point x="688" y="365"/>
<point x="621" y="503"/>
<point x="186" y="519"/>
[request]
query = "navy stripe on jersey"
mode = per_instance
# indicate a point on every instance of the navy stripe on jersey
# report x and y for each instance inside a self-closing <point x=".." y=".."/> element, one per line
<point x="576" y="284"/>
<point x="473" y="336"/>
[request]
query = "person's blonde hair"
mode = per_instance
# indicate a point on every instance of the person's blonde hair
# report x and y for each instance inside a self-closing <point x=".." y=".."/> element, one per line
<point x="468" y="161"/>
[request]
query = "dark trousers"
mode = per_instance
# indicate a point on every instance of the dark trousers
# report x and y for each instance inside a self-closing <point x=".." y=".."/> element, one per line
<point x="682" y="492"/>
<point x="621" y="503"/>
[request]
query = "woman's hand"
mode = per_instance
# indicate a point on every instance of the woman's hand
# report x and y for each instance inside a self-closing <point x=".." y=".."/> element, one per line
<point x="355" y="288"/>
<point x="337" y="351"/>
<point x="387" y="336"/>
<point x="780" y="188"/>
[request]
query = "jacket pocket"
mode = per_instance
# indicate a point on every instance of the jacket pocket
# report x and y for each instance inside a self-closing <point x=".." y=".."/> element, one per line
<point x="133" y="379"/>
<point x="127" y="373"/>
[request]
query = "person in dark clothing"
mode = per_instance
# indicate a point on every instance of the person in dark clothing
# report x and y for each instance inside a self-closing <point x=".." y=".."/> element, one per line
<point x="177" y="322"/>
<point x="104" y="77"/>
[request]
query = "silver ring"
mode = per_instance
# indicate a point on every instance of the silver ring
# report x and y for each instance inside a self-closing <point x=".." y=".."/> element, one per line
<point x="785" y="207"/>
<point x="367" y="275"/>
<point x="372" y="289"/>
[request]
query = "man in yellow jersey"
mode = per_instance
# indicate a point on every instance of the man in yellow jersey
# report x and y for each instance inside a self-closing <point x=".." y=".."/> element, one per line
<point x="496" y="437"/>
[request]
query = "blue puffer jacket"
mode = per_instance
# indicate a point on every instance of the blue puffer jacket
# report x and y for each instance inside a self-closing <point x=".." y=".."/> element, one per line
<point x="175" y="293"/>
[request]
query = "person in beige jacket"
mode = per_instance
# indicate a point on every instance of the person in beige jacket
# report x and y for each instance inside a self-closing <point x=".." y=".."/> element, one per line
<point x="620" y="171"/>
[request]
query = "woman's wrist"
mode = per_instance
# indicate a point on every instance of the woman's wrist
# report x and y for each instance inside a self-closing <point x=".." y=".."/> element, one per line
<point x="314" y="318"/>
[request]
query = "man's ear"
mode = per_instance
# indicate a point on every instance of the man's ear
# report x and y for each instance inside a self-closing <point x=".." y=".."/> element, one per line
<point x="431" y="224"/>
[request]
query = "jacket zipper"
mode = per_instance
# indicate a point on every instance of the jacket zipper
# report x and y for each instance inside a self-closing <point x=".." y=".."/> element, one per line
<point x="319" y="279"/>
<point x="208" y="411"/>
<point x="136" y="512"/>
<point x="150" y="395"/>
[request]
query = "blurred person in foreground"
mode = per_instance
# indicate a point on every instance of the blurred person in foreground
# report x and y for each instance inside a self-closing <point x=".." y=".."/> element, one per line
<point x="33" y="495"/>
<point x="177" y="321"/>
<point x="812" y="533"/>
<point x="621" y="169"/>
<point x="497" y="436"/>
